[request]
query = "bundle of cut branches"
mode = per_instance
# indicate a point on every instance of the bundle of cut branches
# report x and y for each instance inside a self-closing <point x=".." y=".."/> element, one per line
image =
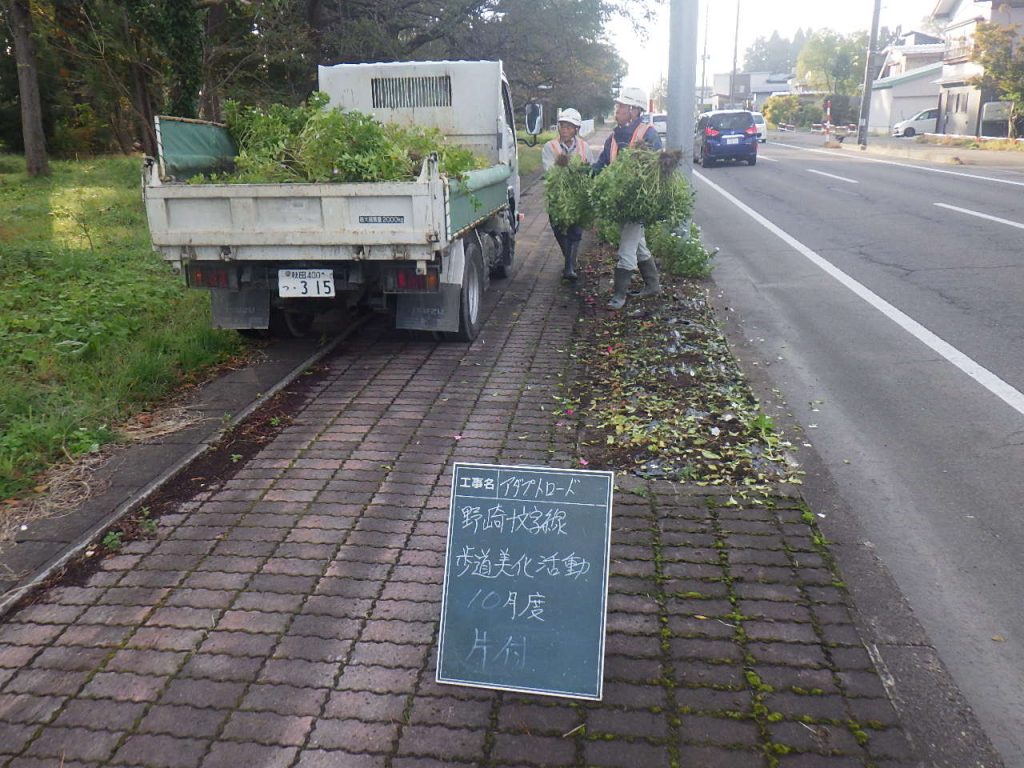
<point x="311" y="143"/>
<point x="643" y="185"/>
<point x="567" y="188"/>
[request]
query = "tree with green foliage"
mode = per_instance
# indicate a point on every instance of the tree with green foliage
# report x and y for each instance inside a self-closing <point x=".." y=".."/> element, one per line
<point x="788" y="109"/>
<point x="772" y="54"/>
<point x="109" y="66"/>
<point x="1000" y="50"/>
<point x="832" y="62"/>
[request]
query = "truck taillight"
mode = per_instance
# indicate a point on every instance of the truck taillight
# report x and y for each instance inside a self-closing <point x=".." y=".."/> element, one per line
<point x="408" y="280"/>
<point x="211" y="276"/>
<point x="405" y="280"/>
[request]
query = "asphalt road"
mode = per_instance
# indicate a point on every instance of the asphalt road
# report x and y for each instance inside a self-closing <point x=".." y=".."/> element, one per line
<point x="884" y="301"/>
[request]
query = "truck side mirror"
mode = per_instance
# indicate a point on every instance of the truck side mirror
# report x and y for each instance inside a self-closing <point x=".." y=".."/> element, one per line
<point x="534" y="118"/>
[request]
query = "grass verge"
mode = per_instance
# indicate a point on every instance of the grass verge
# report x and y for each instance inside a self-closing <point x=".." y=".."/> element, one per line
<point x="93" y="326"/>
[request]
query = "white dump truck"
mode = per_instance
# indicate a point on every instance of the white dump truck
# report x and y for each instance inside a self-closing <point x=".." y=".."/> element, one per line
<point x="275" y="255"/>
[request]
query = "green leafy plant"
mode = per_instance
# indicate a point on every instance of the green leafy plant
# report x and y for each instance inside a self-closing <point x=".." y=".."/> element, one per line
<point x="311" y="143"/>
<point x="146" y="523"/>
<point x="682" y="255"/>
<point x="567" y="190"/>
<point x="643" y="186"/>
<point x="112" y="540"/>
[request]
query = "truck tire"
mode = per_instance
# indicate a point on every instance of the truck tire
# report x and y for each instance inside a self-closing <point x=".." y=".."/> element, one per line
<point x="472" y="294"/>
<point x="508" y="252"/>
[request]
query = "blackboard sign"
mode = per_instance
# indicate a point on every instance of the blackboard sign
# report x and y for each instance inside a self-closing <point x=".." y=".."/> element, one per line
<point x="526" y="580"/>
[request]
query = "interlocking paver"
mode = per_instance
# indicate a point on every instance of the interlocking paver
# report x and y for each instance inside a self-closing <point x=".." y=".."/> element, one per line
<point x="284" y="699"/>
<point x="354" y="735"/>
<point x="74" y="744"/>
<point x="160" y="751"/>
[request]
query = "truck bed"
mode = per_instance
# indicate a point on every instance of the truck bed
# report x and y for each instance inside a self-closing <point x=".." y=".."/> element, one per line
<point x="320" y="222"/>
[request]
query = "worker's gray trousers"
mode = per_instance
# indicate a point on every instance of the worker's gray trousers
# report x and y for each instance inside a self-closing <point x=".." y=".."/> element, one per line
<point x="632" y="246"/>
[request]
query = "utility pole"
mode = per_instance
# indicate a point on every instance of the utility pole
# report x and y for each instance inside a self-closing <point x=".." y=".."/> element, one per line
<point x="869" y="79"/>
<point x="704" y="57"/>
<point x="735" y="56"/>
<point x="684" y="22"/>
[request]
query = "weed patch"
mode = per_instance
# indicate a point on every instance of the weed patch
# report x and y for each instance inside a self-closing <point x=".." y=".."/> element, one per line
<point x="93" y="326"/>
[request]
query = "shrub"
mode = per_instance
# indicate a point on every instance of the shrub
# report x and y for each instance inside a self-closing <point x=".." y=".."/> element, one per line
<point x="684" y="256"/>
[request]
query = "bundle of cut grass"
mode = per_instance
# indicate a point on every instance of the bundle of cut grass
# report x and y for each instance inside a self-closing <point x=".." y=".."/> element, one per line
<point x="567" y="187"/>
<point x="642" y="185"/>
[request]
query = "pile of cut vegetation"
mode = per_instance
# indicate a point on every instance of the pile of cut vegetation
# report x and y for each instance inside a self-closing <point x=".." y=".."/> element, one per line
<point x="311" y="143"/>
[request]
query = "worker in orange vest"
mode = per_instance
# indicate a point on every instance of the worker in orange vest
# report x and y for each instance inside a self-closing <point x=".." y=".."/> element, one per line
<point x="631" y="131"/>
<point x="565" y="146"/>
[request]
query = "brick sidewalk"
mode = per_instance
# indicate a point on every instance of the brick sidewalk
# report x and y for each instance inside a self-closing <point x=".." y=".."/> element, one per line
<point x="290" y="618"/>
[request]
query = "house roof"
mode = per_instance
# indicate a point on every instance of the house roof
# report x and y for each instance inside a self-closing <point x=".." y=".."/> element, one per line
<point x="945" y="8"/>
<point x="906" y="77"/>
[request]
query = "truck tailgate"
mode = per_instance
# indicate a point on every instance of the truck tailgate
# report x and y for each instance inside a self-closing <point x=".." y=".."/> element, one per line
<point x="316" y="221"/>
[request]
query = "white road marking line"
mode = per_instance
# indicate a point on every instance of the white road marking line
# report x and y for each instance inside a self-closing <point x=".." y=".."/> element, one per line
<point x="1012" y="397"/>
<point x="768" y="159"/>
<point x="832" y="153"/>
<point x="980" y="215"/>
<point x="833" y="176"/>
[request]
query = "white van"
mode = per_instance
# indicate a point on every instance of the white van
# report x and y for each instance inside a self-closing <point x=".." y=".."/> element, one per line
<point x="922" y="122"/>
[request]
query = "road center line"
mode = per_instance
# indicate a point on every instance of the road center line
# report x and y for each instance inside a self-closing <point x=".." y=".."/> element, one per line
<point x="1012" y="397"/>
<point x="980" y="215"/>
<point x="833" y="176"/>
<point x="832" y="153"/>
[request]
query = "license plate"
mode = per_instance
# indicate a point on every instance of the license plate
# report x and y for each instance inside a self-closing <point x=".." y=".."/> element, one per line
<point x="305" y="283"/>
<point x="732" y="139"/>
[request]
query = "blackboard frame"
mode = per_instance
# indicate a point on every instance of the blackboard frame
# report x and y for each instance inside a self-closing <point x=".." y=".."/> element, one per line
<point x="574" y="496"/>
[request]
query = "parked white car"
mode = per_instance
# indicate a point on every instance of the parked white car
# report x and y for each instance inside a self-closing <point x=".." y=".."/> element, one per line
<point x="922" y="122"/>
<point x="762" y="127"/>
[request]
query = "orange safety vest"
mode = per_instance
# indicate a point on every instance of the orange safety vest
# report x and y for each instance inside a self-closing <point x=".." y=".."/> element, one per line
<point x="581" y="149"/>
<point x="638" y="136"/>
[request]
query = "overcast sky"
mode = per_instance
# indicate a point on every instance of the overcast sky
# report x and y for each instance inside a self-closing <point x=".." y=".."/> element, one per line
<point x="758" y="18"/>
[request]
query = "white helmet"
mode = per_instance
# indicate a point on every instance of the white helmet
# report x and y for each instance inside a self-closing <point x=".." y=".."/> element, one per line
<point x="570" y="116"/>
<point x="632" y="96"/>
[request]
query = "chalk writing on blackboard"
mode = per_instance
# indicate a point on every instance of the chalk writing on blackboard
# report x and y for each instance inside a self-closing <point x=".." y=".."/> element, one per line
<point x="526" y="579"/>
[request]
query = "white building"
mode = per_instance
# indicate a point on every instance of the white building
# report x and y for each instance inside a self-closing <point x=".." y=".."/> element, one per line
<point x="960" y="102"/>
<point x="899" y="97"/>
<point x="750" y="90"/>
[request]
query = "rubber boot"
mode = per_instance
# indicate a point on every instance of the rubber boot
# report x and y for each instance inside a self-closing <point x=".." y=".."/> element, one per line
<point x="562" y="244"/>
<point x="569" y="273"/>
<point x="622" y="278"/>
<point x="652" y="283"/>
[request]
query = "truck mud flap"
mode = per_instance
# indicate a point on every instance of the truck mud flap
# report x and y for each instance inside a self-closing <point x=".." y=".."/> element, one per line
<point x="246" y="308"/>
<point x="429" y="311"/>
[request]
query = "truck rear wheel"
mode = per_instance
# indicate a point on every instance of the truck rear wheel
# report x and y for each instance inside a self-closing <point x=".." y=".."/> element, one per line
<point x="472" y="295"/>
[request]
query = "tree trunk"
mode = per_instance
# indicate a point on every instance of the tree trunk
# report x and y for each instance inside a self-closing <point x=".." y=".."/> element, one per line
<point x="141" y="100"/>
<point x="209" y="104"/>
<point x="144" y="111"/>
<point x="36" y="163"/>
